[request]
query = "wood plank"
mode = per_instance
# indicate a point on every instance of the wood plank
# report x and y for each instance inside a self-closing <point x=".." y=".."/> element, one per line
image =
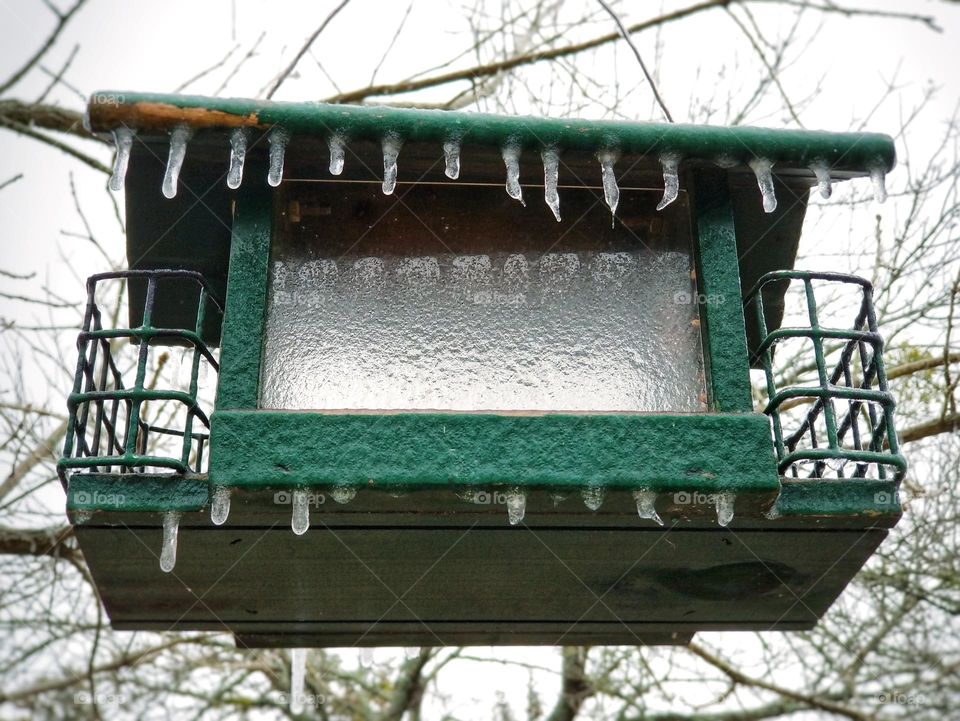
<point x="263" y="580"/>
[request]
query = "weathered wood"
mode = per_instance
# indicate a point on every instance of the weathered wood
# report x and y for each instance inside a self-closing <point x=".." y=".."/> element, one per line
<point x="335" y="586"/>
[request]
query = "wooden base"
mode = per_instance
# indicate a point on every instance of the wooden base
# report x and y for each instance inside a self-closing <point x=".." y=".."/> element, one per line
<point x="365" y="576"/>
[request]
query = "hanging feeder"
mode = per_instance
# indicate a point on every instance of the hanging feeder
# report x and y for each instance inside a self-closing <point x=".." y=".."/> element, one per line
<point x="449" y="414"/>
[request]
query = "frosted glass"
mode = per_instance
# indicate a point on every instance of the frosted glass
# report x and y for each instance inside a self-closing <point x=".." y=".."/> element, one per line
<point x="510" y="331"/>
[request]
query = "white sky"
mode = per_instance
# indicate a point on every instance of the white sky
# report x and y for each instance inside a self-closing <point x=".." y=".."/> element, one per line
<point x="151" y="46"/>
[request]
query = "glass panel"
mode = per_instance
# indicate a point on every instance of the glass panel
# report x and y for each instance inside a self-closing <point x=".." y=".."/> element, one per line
<point x="450" y="299"/>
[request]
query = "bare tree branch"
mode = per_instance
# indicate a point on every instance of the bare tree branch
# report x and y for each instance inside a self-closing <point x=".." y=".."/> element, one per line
<point x="285" y="73"/>
<point x="62" y="20"/>
<point x="626" y="36"/>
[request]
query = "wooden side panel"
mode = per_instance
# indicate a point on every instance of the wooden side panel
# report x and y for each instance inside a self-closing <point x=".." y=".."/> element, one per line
<point x="436" y="586"/>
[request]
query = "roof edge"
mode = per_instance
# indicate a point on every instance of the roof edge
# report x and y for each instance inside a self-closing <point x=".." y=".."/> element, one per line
<point x="842" y="154"/>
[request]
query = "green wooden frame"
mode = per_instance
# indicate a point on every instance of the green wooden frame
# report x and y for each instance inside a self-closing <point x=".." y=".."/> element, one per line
<point x="728" y="450"/>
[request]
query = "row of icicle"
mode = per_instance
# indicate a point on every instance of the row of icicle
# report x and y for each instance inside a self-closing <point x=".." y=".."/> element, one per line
<point x="391" y="144"/>
<point x="515" y="499"/>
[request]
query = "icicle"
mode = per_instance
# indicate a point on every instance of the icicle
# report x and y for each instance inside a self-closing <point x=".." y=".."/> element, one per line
<point x="298" y="673"/>
<point x="123" y="139"/>
<point x="278" y="145"/>
<point x="671" y="179"/>
<point x="511" y="159"/>
<point x="822" y="171"/>
<point x="763" y="169"/>
<point x="178" y="151"/>
<point x="645" y="499"/>
<point x="337" y="154"/>
<point x="366" y="657"/>
<point x="300" y="520"/>
<point x="238" y="152"/>
<point x="611" y="191"/>
<point x="81" y="517"/>
<point x="551" y="175"/>
<point x="557" y="498"/>
<point x="391" y="150"/>
<point x="879" y="177"/>
<point x="168" y="551"/>
<point x="516" y="505"/>
<point x="593" y="497"/>
<point x="220" y="505"/>
<point x="451" y="156"/>
<point x="343" y="494"/>
<point x="725" y="503"/>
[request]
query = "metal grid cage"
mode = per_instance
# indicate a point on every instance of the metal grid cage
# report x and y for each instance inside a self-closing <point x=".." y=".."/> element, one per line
<point x="105" y="425"/>
<point x="841" y="424"/>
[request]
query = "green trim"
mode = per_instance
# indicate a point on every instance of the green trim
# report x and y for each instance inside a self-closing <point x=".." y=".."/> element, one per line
<point x="246" y="299"/>
<point x="718" y="283"/>
<point x="134" y="492"/>
<point x="838" y="497"/>
<point x="849" y="153"/>
<point x="422" y="450"/>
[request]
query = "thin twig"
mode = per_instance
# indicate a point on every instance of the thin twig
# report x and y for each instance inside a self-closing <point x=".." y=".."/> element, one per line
<point x="53" y="142"/>
<point x="11" y="181"/>
<point x="626" y="36"/>
<point x="203" y="73"/>
<point x="63" y="19"/>
<point x="58" y="76"/>
<point x="481" y="71"/>
<point x="279" y="80"/>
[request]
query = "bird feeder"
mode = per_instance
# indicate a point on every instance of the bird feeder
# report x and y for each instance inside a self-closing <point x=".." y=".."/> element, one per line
<point x="479" y="379"/>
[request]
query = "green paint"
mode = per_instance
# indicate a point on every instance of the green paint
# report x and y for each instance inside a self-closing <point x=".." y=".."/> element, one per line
<point x="246" y="299"/>
<point x="133" y="492"/>
<point x="421" y="450"/>
<point x="718" y="281"/>
<point x="852" y="153"/>
<point x="833" y="497"/>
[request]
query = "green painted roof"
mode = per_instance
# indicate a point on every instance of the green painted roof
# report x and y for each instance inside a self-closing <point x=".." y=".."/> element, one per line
<point x="846" y="154"/>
